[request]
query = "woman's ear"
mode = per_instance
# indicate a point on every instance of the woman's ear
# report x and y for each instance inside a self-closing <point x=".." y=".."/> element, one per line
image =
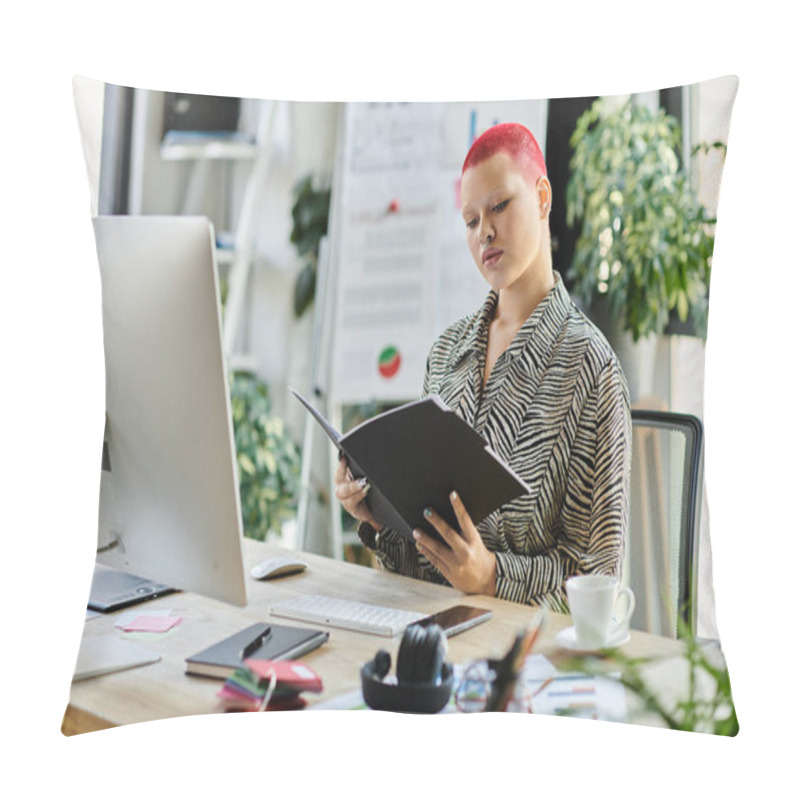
<point x="545" y="194"/>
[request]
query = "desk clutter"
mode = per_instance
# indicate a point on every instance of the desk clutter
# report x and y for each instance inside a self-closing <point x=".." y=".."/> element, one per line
<point x="515" y="665"/>
<point x="540" y="688"/>
<point x="261" y="672"/>
<point x="262" y="685"/>
<point x="424" y="681"/>
<point x="519" y="681"/>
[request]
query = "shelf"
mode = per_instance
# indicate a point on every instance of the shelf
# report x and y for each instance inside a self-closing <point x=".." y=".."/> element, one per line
<point x="192" y="145"/>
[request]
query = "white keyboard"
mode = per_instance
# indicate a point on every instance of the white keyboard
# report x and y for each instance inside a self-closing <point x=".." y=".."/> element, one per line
<point x="349" y="614"/>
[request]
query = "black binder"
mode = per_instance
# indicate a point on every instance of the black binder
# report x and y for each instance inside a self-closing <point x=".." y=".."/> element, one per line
<point x="414" y="456"/>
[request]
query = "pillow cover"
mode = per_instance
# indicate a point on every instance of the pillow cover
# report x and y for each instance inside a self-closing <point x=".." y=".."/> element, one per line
<point x="635" y="189"/>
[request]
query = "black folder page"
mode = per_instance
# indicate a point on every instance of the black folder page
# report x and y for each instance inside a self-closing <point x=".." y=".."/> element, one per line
<point x="414" y="456"/>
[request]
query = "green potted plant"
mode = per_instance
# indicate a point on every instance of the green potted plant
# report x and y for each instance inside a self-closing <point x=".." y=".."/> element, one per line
<point x="645" y="241"/>
<point x="309" y="225"/>
<point x="268" y="459"/>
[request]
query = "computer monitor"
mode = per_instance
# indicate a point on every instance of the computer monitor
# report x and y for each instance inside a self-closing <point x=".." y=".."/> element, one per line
<point x="169" y="493"/>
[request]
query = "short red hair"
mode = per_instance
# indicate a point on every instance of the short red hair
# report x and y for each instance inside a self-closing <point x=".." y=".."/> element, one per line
<point x="511" y="138"/>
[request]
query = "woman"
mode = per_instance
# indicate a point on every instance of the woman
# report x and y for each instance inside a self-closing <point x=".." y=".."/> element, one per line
<point x="539" y="382"/>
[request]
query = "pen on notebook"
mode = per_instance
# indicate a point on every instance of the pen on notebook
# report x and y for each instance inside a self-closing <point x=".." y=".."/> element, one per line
<point x="252" y="647"/>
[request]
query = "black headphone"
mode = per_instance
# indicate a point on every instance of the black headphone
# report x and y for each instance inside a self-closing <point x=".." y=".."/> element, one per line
<point x="424" y="679"/>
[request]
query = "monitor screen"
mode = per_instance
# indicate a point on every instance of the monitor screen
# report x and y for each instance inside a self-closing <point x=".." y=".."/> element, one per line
<point x="169" y="496"/>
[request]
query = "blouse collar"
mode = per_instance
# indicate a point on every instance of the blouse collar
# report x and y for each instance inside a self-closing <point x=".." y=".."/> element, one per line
<point x="549" y="315"/>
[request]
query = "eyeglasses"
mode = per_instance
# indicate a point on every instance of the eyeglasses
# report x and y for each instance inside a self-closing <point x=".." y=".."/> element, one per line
<point x="475" y="687"/>
<point x="494" y="685"/>
<point x="474" y="692"/>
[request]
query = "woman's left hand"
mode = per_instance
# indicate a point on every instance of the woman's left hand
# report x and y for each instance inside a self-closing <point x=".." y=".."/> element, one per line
<point x="463" y="560"/>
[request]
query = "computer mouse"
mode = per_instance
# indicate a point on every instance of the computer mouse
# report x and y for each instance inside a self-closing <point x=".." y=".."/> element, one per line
<point x="277" y="567"/>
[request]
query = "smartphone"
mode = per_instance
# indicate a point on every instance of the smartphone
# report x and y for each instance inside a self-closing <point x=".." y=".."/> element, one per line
<point x="457" y="619"/>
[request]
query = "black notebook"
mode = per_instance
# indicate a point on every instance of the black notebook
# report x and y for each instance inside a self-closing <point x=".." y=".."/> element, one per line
<point x="262" y="641"/>
<point x="414" y="456"/>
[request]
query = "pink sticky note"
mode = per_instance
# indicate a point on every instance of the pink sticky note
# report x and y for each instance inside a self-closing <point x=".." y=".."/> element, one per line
<point x="146" y="624"/>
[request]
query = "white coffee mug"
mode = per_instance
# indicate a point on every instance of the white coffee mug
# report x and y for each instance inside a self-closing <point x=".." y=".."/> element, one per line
<point x="593" y="601"/>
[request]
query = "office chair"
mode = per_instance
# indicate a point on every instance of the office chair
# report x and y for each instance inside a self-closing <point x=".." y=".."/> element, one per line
<point x="660" y="563"/>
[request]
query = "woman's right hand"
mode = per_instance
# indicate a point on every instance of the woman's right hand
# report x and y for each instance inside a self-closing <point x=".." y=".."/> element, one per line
<point x="352" y="495"/>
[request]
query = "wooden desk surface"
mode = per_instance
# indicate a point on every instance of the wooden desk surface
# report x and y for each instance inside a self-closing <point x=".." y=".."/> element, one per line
<point x="163" y="690"/>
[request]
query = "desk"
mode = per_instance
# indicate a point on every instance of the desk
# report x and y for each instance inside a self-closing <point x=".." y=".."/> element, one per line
<point x="163" y="690"/>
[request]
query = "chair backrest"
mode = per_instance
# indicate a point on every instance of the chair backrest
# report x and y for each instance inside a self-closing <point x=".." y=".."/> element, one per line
<point x="660" y="562"/>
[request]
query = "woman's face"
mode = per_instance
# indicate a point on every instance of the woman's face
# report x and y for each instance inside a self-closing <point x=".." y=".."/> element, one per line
<point x="506" y="222"/>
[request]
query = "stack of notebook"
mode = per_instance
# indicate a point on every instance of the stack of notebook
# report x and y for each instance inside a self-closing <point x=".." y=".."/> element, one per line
<point x="262" y="685"/>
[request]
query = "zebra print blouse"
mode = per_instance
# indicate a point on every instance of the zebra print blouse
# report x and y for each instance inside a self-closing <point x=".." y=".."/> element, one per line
<point x="556" y="409"/>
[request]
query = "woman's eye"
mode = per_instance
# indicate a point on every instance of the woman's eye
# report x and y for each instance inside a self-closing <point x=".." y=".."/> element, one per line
<point x="500" y="206"/>
<point x="472" y="223"/>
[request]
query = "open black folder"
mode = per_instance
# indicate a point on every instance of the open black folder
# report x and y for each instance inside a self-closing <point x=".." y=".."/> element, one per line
<point x="414" y="456"/>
